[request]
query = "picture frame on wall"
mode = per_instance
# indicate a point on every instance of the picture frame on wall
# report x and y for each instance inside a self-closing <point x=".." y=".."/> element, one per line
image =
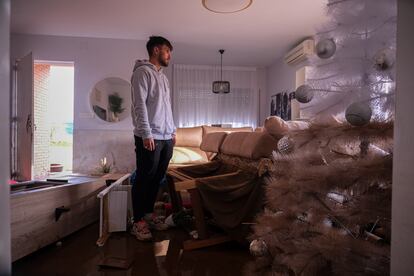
<point x="280" y="105"/>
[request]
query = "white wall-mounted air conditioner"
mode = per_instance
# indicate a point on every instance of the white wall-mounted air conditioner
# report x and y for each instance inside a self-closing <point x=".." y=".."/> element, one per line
<point x="301" y="52"/>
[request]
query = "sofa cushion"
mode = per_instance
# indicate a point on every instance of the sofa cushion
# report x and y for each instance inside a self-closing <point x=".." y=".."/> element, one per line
<point x="209" y="129"/>
<point x="189" y="137"/>
<point x="188" y="155"/>
<point x="212" y="141"/>
<point x="277" y="127"/>
<point x="326" y="120"/>
<point x="252" y="145"/>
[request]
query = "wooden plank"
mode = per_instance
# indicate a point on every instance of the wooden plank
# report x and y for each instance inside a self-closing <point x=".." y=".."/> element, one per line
<point x="173" y="178"/>
<point x="178" y="175"/>
<point x="198" y="214"/>
<point x="33" y="222"/>
<point x="196" y="244"/>
<point x="102" y="239"/>
<point x="191" y="183"/>
<point x="185" y="185"/>
<point x="104" y="222"/>
<point x="176" y="202"/>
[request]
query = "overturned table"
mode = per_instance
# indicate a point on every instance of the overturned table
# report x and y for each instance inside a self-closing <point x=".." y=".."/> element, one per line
<point x="231" y="195"/>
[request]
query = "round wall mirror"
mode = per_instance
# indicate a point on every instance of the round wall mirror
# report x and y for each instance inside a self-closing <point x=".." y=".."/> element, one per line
<point x="110" y="99"/>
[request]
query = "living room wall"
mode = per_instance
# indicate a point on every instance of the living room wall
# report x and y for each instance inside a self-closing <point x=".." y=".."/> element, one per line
<point x="280" y="77"/>
<point x="95" y="59"/>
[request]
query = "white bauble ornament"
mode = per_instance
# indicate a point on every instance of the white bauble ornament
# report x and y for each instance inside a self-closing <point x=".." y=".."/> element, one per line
<point x="258" y="248"/>
<point x="325" y="48"/>
<point x="304" y="94"/>
<point x="384" y="59"/>
<point x="285" y="145"/>
<point x="358" y="114"/>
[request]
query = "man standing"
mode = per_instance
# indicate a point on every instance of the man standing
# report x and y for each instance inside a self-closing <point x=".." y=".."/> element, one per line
<point x="154" y="133"/>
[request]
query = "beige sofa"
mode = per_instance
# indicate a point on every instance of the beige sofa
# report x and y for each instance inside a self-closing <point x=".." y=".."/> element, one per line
<point x="187" y="149"/>
<point x="230" y="187"/>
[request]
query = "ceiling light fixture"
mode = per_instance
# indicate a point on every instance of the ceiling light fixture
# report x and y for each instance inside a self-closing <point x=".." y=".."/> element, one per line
<point x="226" y="6"/>
<point x="221" y="86"/>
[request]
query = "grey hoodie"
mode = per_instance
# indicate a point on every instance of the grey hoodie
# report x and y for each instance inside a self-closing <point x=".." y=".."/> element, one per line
<point x="151" y="105"/>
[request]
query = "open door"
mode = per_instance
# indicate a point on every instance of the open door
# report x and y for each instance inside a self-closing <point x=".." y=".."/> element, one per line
<point x="22" y="119"/>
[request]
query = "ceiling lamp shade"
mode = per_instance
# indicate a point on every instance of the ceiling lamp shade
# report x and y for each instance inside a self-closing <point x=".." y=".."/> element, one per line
<point x="221" y="86"/>
<point x="226" y="6"/>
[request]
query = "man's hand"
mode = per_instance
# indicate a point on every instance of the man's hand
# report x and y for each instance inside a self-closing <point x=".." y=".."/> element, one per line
<point x="149" y="144"/>
<point x="173" y="139"/>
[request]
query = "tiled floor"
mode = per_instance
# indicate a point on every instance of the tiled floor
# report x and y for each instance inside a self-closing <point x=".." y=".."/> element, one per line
<point x="78" y="255"/>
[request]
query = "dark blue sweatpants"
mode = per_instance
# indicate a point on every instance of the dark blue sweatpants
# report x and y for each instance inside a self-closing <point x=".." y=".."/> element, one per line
<point x="151" y="169"/>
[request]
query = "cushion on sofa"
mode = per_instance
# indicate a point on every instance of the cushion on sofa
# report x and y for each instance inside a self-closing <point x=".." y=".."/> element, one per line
<point x="209" y="129"/>
<point x="188" y="155"/>
<point x="252" y="145"/>
<point x="212" y="141"/>
<point x="277" y="127"/>
<point x="189" y="136"/>
<point x="326" y="120"/>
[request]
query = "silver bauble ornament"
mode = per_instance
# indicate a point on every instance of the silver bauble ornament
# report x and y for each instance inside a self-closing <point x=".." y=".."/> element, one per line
<point x="285" y="145"/>
<point x="258" y="248"/>
<point x="304" y="94"/>
<point x="358" y="114"/>
<point x="384" y="59"/>
<point x="325" y="48"/>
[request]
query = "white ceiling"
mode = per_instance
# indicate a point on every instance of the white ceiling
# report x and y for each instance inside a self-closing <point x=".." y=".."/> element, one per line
<point x="257" y="36"/>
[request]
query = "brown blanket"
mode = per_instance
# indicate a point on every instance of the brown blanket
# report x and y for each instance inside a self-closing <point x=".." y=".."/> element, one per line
<point x="232" y="200"/>
<point x="207" y="169"/>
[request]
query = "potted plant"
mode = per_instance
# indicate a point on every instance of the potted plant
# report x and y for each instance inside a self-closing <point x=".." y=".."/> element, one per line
<point x="104" y="166"/>
<point x="115" y="105"/>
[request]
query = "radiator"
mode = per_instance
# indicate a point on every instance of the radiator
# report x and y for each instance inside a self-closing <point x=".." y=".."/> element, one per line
<point x="115" y="208"/>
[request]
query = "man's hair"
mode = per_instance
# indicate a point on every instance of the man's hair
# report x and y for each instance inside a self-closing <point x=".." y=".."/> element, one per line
<point x="155" y="41"/>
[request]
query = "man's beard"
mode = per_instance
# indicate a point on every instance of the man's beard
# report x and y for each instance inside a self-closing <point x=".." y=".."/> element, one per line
<point x="163" y="63"/>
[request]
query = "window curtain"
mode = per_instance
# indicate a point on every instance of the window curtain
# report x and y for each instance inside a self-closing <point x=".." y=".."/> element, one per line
<point x="195" y="104"/>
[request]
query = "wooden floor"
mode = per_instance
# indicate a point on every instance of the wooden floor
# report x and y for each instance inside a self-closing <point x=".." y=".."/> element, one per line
<point x="78" y="255"/>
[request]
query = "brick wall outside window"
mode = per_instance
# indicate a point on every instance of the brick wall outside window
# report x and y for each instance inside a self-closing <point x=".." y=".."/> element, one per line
<point x="41" y="139"/>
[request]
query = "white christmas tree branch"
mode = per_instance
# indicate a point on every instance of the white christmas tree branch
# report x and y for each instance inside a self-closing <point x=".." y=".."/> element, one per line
<point x="367" y="32"/>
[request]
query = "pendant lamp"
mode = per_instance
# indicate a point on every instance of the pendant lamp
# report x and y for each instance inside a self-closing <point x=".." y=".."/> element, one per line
<point x="221" y="86"/>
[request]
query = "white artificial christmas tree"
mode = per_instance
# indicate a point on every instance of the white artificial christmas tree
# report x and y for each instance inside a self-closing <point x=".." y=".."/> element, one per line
<point x="352" y="75"/>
